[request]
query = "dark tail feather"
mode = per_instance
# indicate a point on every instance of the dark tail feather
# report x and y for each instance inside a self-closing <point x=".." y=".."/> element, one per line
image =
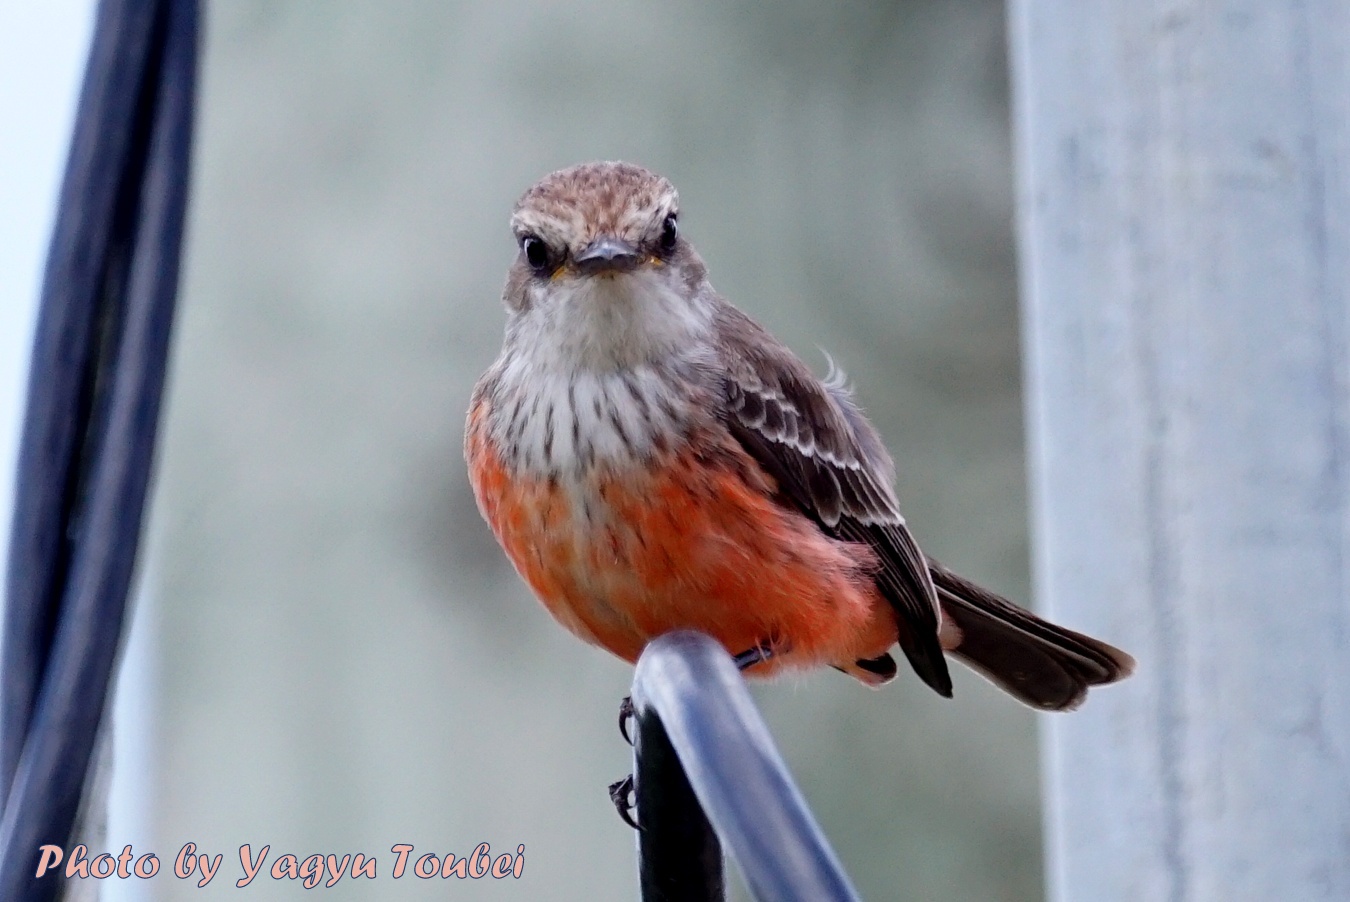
<point x="1045" y="666"/>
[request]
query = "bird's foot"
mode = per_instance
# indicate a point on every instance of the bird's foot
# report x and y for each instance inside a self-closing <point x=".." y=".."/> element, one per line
<point x="626" y="715"/>
<point x="621" y="794"/>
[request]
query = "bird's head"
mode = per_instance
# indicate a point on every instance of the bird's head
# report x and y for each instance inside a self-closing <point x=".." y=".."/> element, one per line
<point x="603" y="275"/>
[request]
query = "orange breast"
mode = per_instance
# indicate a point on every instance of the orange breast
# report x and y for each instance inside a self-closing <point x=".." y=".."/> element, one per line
<point x="692" y="538"/>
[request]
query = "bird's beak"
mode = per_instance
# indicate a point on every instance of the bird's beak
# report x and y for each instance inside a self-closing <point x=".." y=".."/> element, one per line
<point x="606" y="254"/>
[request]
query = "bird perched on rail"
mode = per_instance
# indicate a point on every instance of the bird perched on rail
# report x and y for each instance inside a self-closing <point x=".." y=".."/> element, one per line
<point x="650" y="459"/>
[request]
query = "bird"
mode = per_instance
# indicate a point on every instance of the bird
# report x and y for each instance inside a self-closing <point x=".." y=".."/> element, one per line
<point x="650" y="458"/>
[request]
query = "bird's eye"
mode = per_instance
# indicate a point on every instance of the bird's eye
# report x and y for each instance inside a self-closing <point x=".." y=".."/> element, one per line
<point x="669" y="232"/>
<point x="536" y="253"/>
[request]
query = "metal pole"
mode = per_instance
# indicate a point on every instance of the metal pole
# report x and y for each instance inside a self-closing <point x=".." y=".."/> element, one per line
<point x="696" y="715"/>
<point x="1185" y="226"/>
<point x="679" y="855"/>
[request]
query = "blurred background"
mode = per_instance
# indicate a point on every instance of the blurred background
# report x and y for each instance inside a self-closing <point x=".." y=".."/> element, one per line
<point x="331" y="654"/>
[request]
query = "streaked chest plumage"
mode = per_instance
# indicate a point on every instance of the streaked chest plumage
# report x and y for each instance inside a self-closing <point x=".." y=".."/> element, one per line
<point x="630" y="511"/>
<point x="563" y="425"/>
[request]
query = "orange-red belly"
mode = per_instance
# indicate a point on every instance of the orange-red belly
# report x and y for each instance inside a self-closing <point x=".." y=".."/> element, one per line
<point x="624" y="553"/>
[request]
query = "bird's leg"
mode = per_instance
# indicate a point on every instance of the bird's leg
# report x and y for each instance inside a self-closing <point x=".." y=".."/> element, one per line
<point x="760" y="653"/>
<point x="621" y="793"/>
<point x="751" y="656"/>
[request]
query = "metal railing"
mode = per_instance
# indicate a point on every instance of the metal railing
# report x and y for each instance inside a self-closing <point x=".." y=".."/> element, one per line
<point x="95" y="383"/>
<point x="706" y="774"/>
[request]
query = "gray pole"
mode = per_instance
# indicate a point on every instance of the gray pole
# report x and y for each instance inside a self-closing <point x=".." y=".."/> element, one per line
<point x="1185" y="222"/>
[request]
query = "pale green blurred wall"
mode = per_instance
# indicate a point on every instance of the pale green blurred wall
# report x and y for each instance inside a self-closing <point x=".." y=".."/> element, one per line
<point x="344" y="659"/>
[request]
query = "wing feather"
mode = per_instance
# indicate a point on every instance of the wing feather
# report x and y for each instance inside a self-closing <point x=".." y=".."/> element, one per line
<point x="829" y="464"/>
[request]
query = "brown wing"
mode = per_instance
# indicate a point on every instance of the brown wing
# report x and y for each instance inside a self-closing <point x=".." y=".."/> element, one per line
<point x="830" y="464"/>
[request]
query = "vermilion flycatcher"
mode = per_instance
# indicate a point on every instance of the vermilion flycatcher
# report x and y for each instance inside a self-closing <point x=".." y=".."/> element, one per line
<point x="652" y="459"/>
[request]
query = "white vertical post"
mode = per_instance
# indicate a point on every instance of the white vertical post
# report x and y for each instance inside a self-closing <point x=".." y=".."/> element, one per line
<point x="1185" y="224"/>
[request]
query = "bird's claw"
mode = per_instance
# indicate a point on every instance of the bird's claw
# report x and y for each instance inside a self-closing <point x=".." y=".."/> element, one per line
<point x="626" y="715"/>
<point x="620" y="794"/>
